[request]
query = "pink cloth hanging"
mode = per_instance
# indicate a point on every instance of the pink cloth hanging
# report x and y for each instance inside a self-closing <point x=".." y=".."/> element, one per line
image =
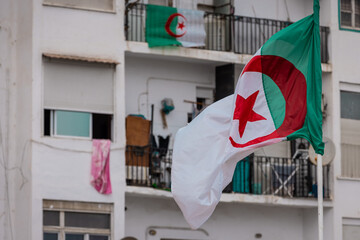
<point x="100" y="166"/>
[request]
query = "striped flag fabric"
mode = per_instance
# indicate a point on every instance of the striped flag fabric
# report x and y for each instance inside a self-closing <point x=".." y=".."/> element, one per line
<point x="277" y="98"/>
<point x="168" y="26"/>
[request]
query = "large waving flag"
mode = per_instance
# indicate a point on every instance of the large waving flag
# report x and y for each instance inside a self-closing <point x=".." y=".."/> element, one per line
<point x="172" y="26"/>
<point x="277" y="98"/>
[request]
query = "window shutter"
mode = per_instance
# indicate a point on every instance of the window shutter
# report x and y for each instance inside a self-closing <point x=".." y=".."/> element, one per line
<point x="78" y="86"/>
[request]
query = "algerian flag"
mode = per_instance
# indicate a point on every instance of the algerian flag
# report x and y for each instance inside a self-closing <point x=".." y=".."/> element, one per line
<point x="171" y="26"/>
<point x="277" y="98"/>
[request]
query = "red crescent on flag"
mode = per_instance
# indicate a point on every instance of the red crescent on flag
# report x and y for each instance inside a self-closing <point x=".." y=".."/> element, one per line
<point x="292" y="84"/>
<point x="169" y="21"/>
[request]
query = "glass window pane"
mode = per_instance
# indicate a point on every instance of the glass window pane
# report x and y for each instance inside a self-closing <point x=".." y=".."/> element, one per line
<point x="71" y="236"/>
<point x="101" y="126"/>
<point x="357" y="20"/>
<point x="346" y="5"/>
<point x="87" y="220"/>
<point x="346" y="19"/>
<point x="350" y="105"/>
<point x="351" y="232"/>
<point x="357" y="6"/>
<point x="51" y="218"/>
<point x="98" y="237"/>
<point x="50" y="236"/>
<point x="47" y="127"/>
<point x="70" y="123"/>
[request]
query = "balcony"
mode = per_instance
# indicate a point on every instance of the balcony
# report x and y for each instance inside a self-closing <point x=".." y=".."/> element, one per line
<point x="272" y="176"/>
<point x="229" y="33"/>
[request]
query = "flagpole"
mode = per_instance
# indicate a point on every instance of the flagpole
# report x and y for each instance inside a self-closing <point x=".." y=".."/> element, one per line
<point x="320" y="197"/>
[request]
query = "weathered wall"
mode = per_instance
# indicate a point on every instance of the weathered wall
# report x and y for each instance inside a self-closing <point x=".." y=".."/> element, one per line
<point x="149" y="80"/>
<point x="345" y="56"/>
<point x="15" y="120"/>
<point x="7" y="74"/>
<point x="286" y="10"/>
<point x="229" y="221"/>
<point x="61" y="167"/>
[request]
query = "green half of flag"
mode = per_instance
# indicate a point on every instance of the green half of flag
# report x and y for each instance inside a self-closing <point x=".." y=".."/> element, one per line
<point x="167" y="26"/>
<point x="300" y="45"/>
<point x="156" y="19"/>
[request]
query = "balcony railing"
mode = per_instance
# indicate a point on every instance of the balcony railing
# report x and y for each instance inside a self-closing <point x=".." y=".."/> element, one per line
<point x="146" y="166"/>
<point x="238" y="34"/>
<point x="285" y="177"/>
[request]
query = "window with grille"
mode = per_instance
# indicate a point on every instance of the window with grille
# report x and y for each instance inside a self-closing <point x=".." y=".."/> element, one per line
<point x="350" y="14"/>
<point x="350" y="134"/>
<point x="65" y="220"/>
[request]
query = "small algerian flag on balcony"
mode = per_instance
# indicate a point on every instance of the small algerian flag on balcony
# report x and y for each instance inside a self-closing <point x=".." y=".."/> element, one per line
<point x="171" y="26"/>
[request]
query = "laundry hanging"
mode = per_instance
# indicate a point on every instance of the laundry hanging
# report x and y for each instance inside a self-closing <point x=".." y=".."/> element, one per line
<point x="100" y="166"/>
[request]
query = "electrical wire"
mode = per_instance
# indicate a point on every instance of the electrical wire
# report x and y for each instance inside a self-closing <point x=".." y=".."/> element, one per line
<point x="71" y="150"/>
<point x="4" y="165"/>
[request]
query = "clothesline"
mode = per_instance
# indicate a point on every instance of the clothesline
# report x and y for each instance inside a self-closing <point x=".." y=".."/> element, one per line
<point x="194" y="102"/>
<point x="71" y="150"/>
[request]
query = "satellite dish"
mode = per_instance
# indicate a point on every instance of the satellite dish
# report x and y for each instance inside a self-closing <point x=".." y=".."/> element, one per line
<point x="329" y="152"/>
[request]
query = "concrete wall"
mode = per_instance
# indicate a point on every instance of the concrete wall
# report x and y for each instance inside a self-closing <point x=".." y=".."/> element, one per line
<point x="61" y="167"/>
<point x="345" y="56"/>
<point x="149" y="80"/>
<point x="229" y="221"/>
<point x="23" y="119"/>
<point x="7" y="80"/>
<point x="285" y="10"/>
<point x="15" y="120"/>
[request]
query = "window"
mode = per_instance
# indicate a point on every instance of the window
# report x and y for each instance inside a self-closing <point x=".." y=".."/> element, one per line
<point x="77" y="124"/>
<point x="350" y="133"/>
<point x="161" y="2"/>
<point x="64" y="220"/>
<point x="97" y="5"/>
<point x="78" y="99"/>
<point x="350" y="13"/>
<point x="350" y="102"/>
<point x="351" y="228"/>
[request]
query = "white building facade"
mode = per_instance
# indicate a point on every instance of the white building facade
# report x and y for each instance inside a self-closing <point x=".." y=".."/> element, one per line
<point x="72" y="71"/>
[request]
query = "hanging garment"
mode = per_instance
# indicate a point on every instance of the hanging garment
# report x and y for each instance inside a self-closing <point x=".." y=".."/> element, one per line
<point x="163" y="145"/>
<point x="241" y="177"/>
<point x="100" y="166"/>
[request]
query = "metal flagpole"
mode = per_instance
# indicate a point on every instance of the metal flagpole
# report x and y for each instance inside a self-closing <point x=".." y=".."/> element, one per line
<point x="320" y="197"/>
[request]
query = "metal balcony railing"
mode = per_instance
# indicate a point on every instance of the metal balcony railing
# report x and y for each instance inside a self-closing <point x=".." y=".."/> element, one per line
<point x="238" y="34"/>
<point x="146" y="166"/>
<point x="285" y="177"/>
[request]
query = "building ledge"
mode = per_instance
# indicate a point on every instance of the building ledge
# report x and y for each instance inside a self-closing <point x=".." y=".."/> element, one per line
<point x="348" y="179"/>
<point x="265" y="200"/>
<point x="196" y="54"/>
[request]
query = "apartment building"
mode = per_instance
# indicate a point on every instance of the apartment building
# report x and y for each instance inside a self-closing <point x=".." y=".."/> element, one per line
<point x="72" y="71"/>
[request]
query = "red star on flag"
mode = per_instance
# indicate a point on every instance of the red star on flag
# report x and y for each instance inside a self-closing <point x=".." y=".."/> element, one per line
<point x="244" y="111"/>
<point x="181" y="26"/>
